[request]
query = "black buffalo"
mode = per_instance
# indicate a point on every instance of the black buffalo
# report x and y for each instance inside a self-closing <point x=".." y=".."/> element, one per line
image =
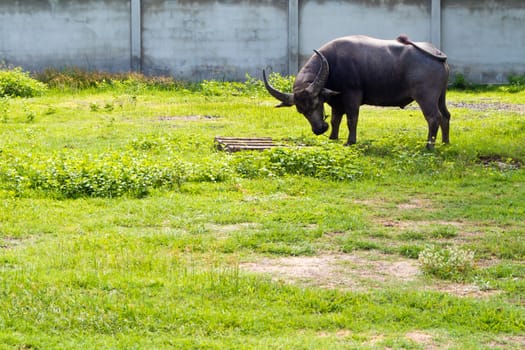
<point x="355" y="70"/>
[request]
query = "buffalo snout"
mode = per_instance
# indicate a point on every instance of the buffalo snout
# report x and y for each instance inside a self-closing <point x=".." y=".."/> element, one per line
<point x="321" y="129"/>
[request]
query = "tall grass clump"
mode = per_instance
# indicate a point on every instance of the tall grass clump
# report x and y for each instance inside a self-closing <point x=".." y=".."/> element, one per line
<point x="17" y="83"/>
<point x="75" y="78"/>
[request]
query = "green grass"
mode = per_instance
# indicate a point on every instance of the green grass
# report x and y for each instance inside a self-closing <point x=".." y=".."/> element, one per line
<point x="122" y="226"/>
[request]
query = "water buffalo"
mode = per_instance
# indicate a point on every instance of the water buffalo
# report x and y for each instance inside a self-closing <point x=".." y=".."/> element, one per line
<point x="355" y="70"/>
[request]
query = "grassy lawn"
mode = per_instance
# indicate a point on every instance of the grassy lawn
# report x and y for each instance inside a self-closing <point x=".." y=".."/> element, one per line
<point x="122" y="226"/>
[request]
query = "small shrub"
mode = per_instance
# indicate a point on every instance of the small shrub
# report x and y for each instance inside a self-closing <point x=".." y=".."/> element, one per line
<point x="281" y="83"/>
<point x="444" y="231"/>
<point x="516" y="83"/>
<point x="410" y="251"/>
<point x="17" y="83"/>
<point x="460" y="82"/>
<point x="329" y="161"/>
<point x="94" y="107"/>
<point x="30" y="114"/>
<point x="450" y="263"/>
<point x="351" y="245"/>
<point x="251" y="87"/>
<point x="334" y="163"/>
<point x="211" y="171"/>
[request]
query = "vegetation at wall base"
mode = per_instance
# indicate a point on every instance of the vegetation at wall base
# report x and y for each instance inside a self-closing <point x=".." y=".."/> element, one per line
<point x="14" y="82"/>
<point x="123" y="226"/>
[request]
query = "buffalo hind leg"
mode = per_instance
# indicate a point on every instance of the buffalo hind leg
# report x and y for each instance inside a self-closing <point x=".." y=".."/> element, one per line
<point x="445" y="118"/>
<point x="335" y="121"/>
<point x="434" y="119"/>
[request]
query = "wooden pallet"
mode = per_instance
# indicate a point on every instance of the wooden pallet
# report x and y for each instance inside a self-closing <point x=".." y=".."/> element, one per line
<point x="235" y="144"/>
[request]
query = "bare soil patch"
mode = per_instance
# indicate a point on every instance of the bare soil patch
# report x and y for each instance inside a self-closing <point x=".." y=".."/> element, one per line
<point x="13" y="242"/>
<point x="503" y="163"/>
<point x="514" y="342"/>
<point x="225" y="231"/>
<point x="463" y="290"/>
<point x="359" y="271"/>
<point x="342" y="271"/>
<point x="232" y="227"/>
<point x="488" y="105"/>
<point x="412" y="224"/>
<point x="164" y="118"/>
<point x="424" y="339"/>
<point x="481" y="106"/>
<point x="415" y="203"/>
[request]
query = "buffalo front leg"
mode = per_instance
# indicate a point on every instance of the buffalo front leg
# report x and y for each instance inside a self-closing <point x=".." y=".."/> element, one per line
<point x="352" y="117"/>
<point x="337" y="115"/>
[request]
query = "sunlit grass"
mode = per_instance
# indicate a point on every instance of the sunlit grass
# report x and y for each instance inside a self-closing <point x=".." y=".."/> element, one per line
<point x="162" y="268"/>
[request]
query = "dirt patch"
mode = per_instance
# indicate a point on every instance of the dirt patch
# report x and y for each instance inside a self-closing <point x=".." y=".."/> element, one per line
<point x="340" y="333"/>
<point x="415" y="203"/>
<point x="422" y="338"/>
<point x="503" y="163"/>
<point x="359" y="271"/>
<point x="514" y="342"/>
<point x="482" y="106"/>
<point x="342" y="271"/>
<point x="231" y="227"/>
<point x="12" y="242"/>
<point x="488" y="106"/>
<point x="225" y="231"/>
<point x="186" y="117"/>
<point x="463" y="290"/>
<point x="411" y="224"/>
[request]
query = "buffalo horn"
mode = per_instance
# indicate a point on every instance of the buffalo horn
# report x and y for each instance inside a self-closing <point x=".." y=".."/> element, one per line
<point x="286" y="99"/>
<point x="322" y="76"/>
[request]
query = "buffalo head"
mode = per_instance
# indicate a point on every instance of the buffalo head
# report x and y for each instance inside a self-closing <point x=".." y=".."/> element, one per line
<point x="308" y="97"/>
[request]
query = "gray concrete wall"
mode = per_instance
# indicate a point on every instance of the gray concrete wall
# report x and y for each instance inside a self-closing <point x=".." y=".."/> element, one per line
<point x="321" y="21"/>
<point x="92" y="34"/>
<point x="484" y="39"/>
<point x="214" y="39"/>
<point x="225" y="39"/>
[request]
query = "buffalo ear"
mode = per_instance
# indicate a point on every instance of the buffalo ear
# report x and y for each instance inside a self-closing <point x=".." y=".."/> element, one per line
<point x="327" y="92"/>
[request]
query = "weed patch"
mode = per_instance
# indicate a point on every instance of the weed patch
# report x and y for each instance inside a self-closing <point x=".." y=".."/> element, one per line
<point x="17" y="83"/>
<point x="104" y="175"/>
<point x="451" y="263"/>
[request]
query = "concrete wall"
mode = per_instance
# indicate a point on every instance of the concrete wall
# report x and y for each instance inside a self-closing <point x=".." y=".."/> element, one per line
<point x="321" y="21"/>
<point x="212" y="39"/>
<point x="43" y="33"/>
<point x="484" y="39"/>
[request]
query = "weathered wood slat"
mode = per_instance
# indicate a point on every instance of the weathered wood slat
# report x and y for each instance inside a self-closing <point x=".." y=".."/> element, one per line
<point x="234" y="144"/>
